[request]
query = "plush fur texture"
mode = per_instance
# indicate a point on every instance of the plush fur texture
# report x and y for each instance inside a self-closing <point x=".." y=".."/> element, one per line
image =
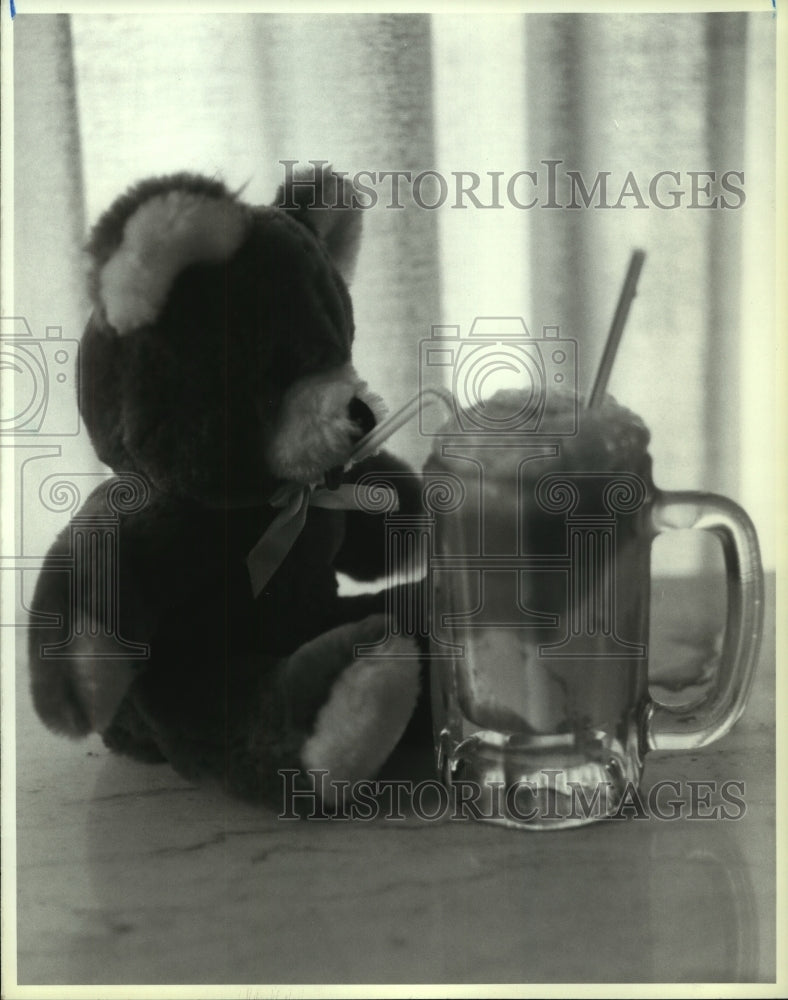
<point x="217" y="367"/>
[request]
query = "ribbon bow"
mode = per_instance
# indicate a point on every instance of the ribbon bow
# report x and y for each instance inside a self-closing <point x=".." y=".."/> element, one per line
<point x="276" y="541"/>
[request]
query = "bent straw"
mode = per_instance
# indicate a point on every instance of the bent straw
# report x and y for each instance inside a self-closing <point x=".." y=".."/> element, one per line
<point x="378" y="435"/>
<point x="616" y="328"/>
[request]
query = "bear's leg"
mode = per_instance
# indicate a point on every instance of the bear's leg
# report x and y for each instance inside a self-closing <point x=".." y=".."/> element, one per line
<point x="239" y="724"/>
<point x="354" y="707"/>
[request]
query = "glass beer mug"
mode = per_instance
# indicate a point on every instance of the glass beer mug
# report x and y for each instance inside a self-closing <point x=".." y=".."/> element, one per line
<point x="540" y="589"/>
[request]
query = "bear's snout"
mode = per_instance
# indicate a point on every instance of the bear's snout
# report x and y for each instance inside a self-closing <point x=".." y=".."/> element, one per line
<point x="364" y="420"/>
<point x="321" y="419"/>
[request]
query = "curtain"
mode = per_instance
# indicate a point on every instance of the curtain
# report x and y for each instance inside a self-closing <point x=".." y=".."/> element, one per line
<point x="118" y="97"/>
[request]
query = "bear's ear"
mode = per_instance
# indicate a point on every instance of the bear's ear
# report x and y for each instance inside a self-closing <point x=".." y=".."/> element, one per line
<point x="151" y="234"/>
<point x="327" y="203"/>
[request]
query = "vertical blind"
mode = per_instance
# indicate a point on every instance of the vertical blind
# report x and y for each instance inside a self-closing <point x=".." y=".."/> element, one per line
<point x="117" y="97"/>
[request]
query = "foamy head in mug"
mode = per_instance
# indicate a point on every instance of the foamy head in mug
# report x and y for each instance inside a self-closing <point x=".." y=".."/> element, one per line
<point x="608" y="438"/>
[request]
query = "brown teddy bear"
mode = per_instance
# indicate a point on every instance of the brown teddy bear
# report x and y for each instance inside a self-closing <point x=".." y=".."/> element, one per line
<point x="216" y="378"/>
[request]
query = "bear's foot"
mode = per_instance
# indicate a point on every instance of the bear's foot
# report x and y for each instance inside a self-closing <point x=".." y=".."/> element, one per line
<point x="366" y="707"/>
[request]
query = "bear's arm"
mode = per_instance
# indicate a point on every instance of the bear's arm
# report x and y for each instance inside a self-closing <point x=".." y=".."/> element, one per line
<point x="101" y="593"/>
<point x="363" y="551"/>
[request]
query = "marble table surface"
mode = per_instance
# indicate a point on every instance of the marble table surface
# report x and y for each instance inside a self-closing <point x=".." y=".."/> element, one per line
<point x="128" y="875"/>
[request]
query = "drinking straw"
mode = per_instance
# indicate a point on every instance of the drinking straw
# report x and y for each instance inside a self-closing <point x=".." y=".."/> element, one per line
<point x="378" y="435"/>
<point x="616" y="328"/>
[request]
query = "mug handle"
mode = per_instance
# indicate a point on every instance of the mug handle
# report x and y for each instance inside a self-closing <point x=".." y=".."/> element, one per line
<point x="687" y="727"/>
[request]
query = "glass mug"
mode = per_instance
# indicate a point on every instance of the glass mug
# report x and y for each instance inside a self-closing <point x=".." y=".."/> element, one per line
<point x="539" y="582"/>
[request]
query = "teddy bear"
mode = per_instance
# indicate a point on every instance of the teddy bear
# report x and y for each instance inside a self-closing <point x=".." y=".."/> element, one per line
<point x="216" y="373"/>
